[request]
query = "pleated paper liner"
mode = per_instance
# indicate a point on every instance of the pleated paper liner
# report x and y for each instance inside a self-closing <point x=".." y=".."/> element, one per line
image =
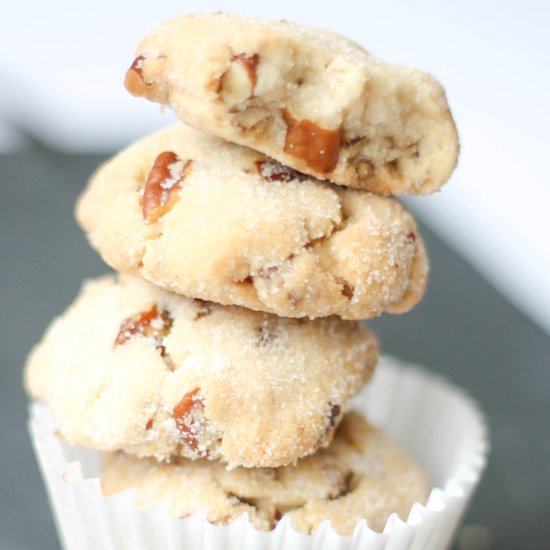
<point x="435" y="422"/>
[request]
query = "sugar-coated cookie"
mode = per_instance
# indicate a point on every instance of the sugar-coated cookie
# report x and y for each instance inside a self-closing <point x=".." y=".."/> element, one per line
<point x="132" y="367"/>
<point x="309" y="98"/>
<point x="361" y="475"/>
<point x="209" y="219"/>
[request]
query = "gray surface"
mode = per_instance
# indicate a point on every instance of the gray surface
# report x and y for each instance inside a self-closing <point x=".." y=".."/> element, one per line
<point x="463" y="329"/>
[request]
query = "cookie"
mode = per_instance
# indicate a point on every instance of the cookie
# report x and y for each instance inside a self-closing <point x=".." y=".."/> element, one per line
<point x="361" y="475"/>
<point x="132" y="367"/>
<point x="212" y="220"/>
<point x="309" y="98"/>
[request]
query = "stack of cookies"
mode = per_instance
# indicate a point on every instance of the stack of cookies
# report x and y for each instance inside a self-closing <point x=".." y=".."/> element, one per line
<point x="218" y="366"/>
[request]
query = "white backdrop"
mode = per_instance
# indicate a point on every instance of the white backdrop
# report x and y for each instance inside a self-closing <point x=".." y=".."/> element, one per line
<point x="62" y="66"/>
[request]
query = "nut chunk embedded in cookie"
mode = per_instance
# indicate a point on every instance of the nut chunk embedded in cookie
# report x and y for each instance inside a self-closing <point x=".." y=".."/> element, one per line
<point x="209" y="219"/>
<point x="132" y="367"/>
<point x="308" y="98"/>
<point x="163" y="183"/>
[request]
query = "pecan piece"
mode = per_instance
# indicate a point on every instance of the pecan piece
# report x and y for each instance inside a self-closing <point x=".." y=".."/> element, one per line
<point x="277" y="516"/>
<point x="333" y="415"/>
<point x="238" y="82"/>
<point x="271" y="170"/>
<point x="332" y="418"/>
<point x="152" y="324"/>
<point x="250" y="63"/>
<point x="347" y="290"/>
<point x="134" y="81"/>
<point x="163" y="183"/>
<point x="185" y="423"/>
<point x="318" y="147"/>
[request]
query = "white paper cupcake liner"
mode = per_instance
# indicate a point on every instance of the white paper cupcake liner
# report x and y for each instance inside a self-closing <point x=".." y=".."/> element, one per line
<point x="440" y="426"/>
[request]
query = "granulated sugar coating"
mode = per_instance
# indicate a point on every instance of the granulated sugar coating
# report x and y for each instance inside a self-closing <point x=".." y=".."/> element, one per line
<point x="131" y="367"/>
<point x="238" y="228"/>
<point x="361" y="475"/>
<point x="201" y="403"/>
<point x="309" y="98"/>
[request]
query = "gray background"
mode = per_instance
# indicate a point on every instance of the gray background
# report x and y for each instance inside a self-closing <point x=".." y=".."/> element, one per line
<point x="463" y="328"/>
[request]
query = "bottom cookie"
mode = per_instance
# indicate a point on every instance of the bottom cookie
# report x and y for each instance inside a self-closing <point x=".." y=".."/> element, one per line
<point x="361" y="475"/>
<point x="429" y="417"/>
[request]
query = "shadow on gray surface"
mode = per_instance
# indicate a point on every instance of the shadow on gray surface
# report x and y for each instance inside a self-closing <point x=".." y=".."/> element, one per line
<point x="463" y="329"/>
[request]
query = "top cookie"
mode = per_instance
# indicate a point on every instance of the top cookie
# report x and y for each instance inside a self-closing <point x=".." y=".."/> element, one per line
<point x="208" y="219"/>
<point x="306" y="97"/>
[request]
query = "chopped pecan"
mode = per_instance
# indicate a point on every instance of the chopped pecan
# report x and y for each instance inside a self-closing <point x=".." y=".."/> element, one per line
<point x="152" y="324"/>
<point x="318" y="147"/>
<point x="134" y="81"/>
<point x="149" y="424"/>
<point x="185" y="423"/>
<point x="332" y="418"/>
<point x="248" y="280"/>
<point x="236" y="85"/>
<point x="271" y="170"/>
<point x="250" y="63"/>
<point x="277" y="516"/>
<point x="333" y="415"/>
<point x="163" y="183"/>
<point x="347" y="290"/>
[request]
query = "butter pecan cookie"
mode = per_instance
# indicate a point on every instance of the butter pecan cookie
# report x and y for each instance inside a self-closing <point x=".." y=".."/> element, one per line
<point x="209" y="219"/>
<point x="361" y="475"/>
<point x="132" y="367"/>
<point x="309" y="98"/>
